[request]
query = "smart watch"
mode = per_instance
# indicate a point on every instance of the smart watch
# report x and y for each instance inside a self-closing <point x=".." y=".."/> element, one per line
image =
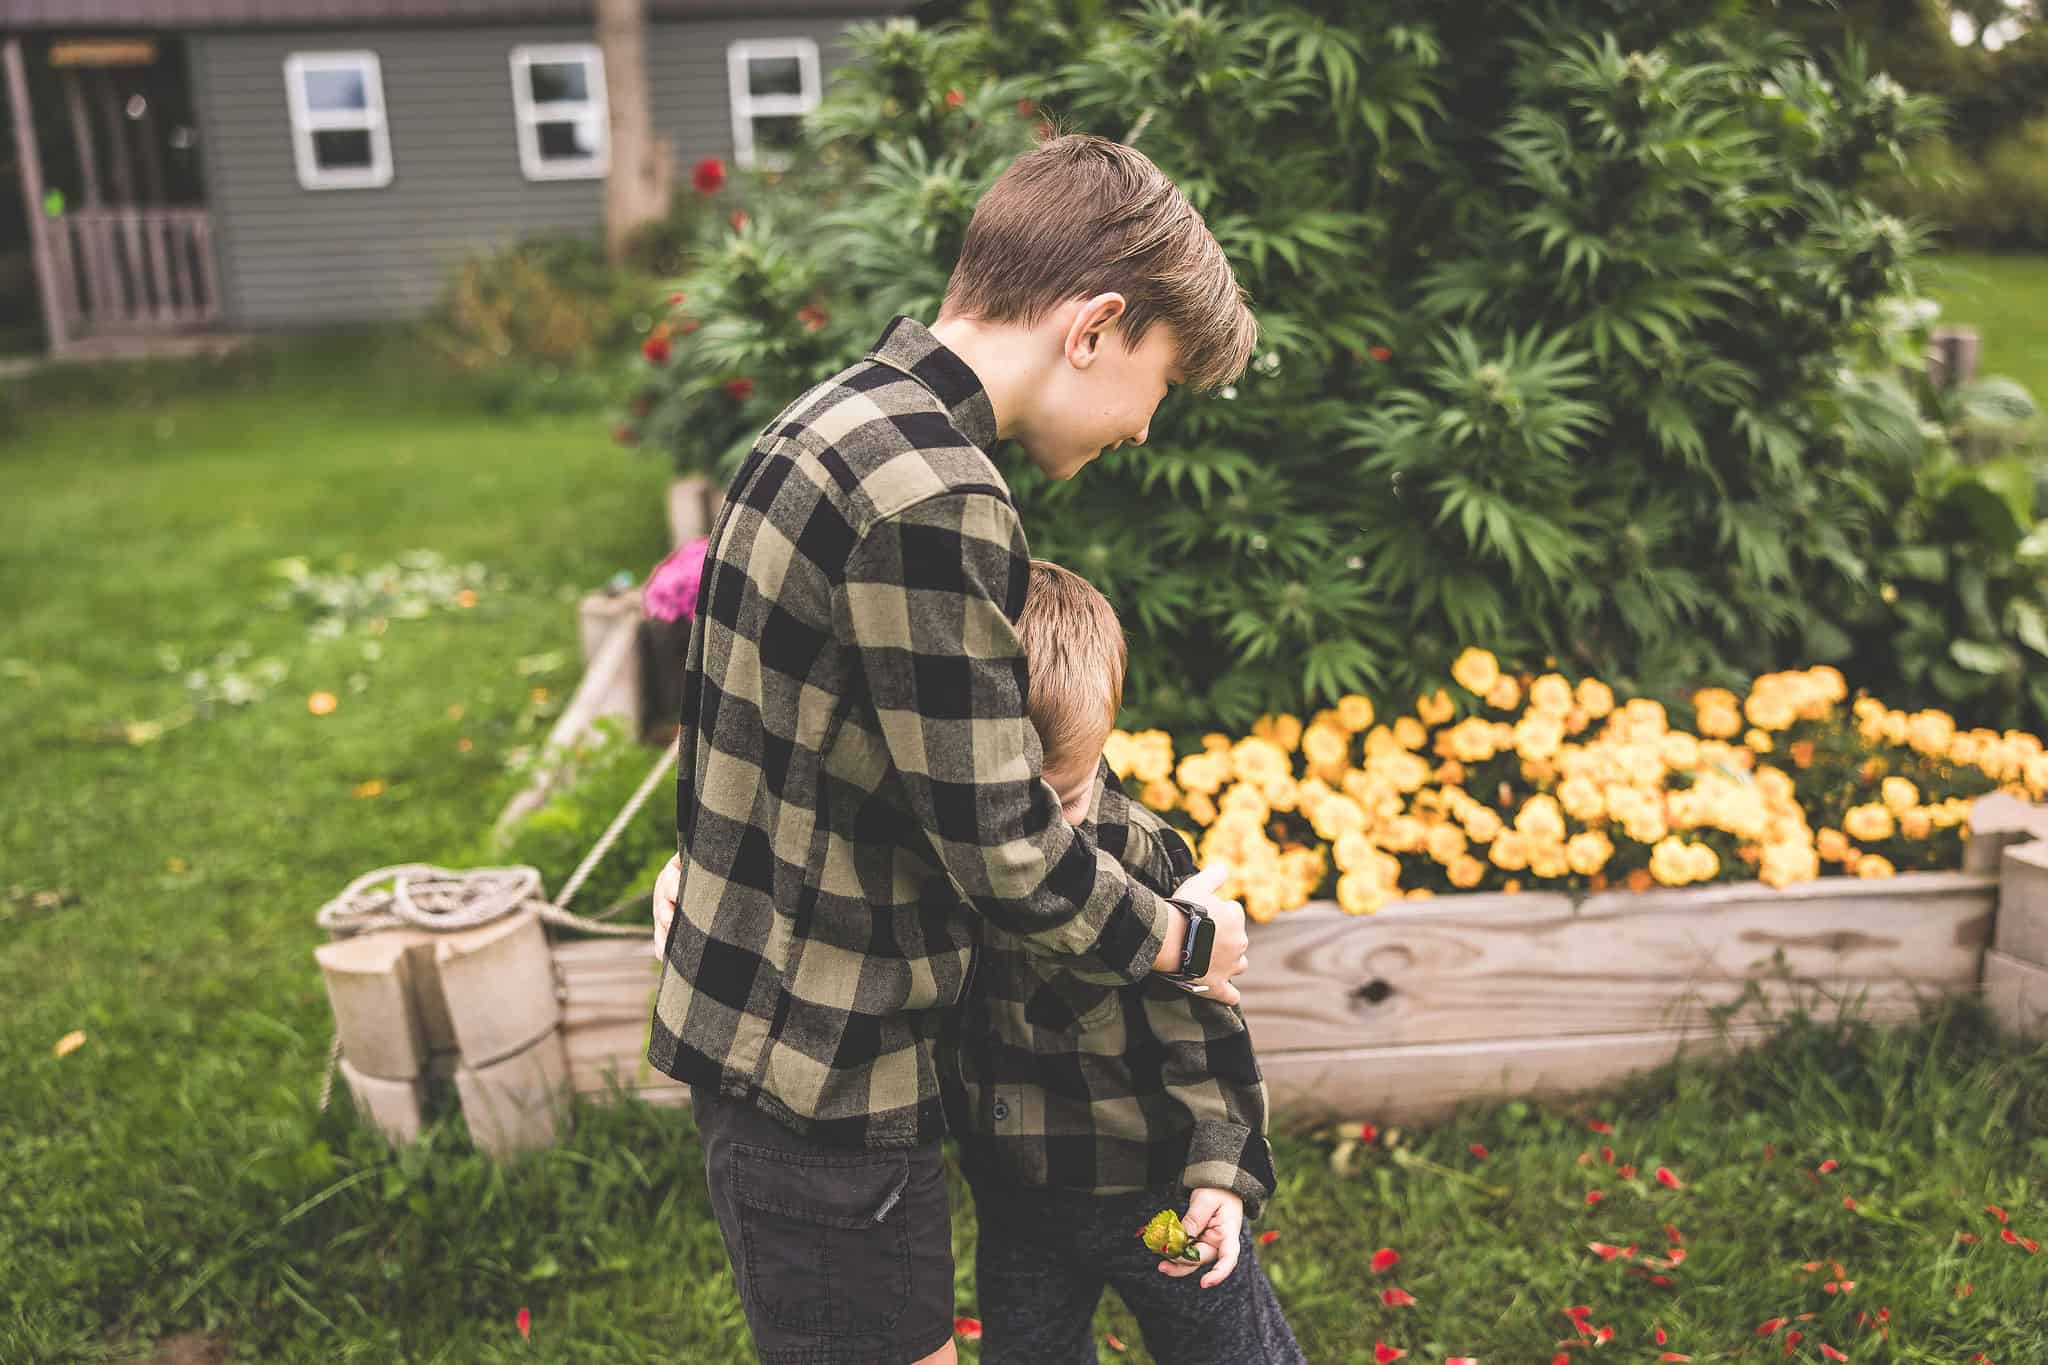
<point x="1200" y="942"/>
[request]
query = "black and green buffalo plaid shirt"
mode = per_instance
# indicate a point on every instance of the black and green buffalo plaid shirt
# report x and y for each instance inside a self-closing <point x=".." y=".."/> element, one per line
<point x="1057" y="1075"/>
<point x="856" y="762"/>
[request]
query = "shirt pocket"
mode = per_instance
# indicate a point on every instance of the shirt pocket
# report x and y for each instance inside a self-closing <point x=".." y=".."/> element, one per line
<point x="1062" y="1005"/>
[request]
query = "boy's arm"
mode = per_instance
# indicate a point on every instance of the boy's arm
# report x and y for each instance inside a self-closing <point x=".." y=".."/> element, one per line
<point x="1212" y="1073"/>
<point x="1146" y="845"/>
<point x="924" y="606"/>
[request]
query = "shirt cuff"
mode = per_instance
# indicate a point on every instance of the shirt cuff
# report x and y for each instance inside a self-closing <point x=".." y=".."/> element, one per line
<point x="1230" y="1156"/>
<point x="1133" y="934"/>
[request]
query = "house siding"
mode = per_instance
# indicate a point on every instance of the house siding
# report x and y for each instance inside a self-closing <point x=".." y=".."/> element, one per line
<point x="293" y="257"/>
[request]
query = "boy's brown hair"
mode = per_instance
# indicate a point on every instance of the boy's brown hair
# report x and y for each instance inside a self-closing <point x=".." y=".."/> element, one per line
<point x="1074" y="648"/>
<point x="1079" y="216"/>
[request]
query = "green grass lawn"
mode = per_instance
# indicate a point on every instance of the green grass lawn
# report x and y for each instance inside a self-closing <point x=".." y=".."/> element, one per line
<point x="2003" y="297"/>
<point x="173" y="1174"/>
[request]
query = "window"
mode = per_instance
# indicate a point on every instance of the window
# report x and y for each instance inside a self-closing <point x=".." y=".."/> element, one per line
<point x="773" y="83"/>
<point x="338" y="135"/>
<point x="558" y="98"/>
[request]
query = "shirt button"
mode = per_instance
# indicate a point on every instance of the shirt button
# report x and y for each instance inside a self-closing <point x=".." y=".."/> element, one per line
<point x="1002" y="1111"/>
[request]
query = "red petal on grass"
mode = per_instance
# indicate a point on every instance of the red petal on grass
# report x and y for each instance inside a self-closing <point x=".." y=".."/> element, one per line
<point x="1115" y="1343"/>
<point x="1828" y="1352"/>
<point x="1963" y="1290"/>
<point x="1397" y="1298"/>
<point x="1673" y="1355"/>
<point x="1478" y="1149"/>
<point x="970" y="1328"/>
<point x="1769" y="1327"/>
<point x="1607" y="1155"/>
<point x="1603" y="1336"/>
<point x="1595" y="1196"/>
<point x="1968" y="1239"/>
<point x="1266" y="1238"/>
<point x="1461" y="1360"/>
<point x="1996" y="1212"/>
<point x="1561" y="1358"/>
<point x="1829" y="1167"/>
<point x="1600" y="1125"/>
<point x="1585" y="1158"/>
<point x="523" y="1319"/>
<point x="2030" y="1244"/>
<point x="1384" y="1354"/>
<point x="1659" y="1335"/>
<point x="1608" y="1253"/>
<point x="1847" y="1202"/>
<point x="1673" y="1235"/>
<point x="1668" y="1180"/>
<point x="1385" y="1259"/>
<point x="1579" y="1313"/>
<point x="2009" y="1237"/>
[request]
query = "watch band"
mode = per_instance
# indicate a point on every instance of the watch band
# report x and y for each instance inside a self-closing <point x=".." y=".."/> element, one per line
<point x="1195" y="944"/>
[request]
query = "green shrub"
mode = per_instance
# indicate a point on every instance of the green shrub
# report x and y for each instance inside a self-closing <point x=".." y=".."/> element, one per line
<point x="593" y="789"/>
<point x="1560" y="307"/>
<point x="1998" y="200"/>
<point x="539" y="324"/>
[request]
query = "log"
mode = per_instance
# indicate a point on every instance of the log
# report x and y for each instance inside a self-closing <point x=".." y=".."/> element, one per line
<point x="394" y="1108"/>
<point x="518" y="1103"/>
<point x="1496" y="967"/>
<point x="499" y="983"/>
<point x="2022" y="931"/>
<point x="370" y="987"/>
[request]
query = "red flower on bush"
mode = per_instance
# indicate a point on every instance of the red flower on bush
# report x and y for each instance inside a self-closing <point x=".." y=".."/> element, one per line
<point x="738" y="220"/>
<point x="688" y="325"/>
<point x="1381" y="354"/>
<point x="524" y="1321"/>
<point x="656" y="348"/>
<point x="954" y="99"/>
<point x="1384" y="1354"/>
<point x="812" y="317"/>
<point x="739" y="390"/>
<point x="1595" y="1196"/>
<point x="1478" y="1149"/>
<point x="709" y="176"/>
<point x="1267" y="1237"/>
<point x="1669" y="1180"/>
<point x="1397" y="1298"/>
<point x="1368" y="1133"/>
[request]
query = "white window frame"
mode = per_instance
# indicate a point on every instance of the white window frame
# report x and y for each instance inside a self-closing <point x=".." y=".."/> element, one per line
<point x="307" y="121"/>
<point x="529" y="114"/>
<point x="747" y="106"/>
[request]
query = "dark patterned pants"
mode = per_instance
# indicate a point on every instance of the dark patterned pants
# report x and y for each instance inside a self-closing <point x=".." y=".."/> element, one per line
<point x="1043" y="1258"/>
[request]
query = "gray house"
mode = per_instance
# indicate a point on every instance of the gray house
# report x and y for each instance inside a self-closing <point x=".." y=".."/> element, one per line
<point x="346" y="154"/>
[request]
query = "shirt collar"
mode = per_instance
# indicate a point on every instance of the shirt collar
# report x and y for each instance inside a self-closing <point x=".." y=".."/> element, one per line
<point x="909" y="346"/>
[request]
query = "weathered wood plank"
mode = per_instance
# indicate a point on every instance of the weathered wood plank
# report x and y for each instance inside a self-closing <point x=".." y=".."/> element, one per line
<point x="1430" y="1080"/>
<point x="2016" y="993"/>
<point x="1495" y="967"/>
<point x="2023" y="904"/>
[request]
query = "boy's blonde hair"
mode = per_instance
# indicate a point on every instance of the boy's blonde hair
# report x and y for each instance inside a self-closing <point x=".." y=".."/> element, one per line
<point x="1074" y="648"/>
<point x="1080" y="216"/>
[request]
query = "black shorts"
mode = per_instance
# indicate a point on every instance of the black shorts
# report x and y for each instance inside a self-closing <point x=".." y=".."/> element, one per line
<point x="841" y="1257"/>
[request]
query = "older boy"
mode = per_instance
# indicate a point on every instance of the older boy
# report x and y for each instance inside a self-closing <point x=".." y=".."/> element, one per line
<point x="856" y="764"/>
<point x="1083" y="1104"/>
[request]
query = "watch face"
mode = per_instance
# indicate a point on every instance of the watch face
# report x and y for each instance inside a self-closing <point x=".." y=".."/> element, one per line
<point x="1205" y="944"/>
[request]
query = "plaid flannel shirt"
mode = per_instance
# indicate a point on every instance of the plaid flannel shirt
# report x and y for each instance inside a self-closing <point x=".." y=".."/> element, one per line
<point x="858" y="783"/>
<point x="1057" y="1075"/>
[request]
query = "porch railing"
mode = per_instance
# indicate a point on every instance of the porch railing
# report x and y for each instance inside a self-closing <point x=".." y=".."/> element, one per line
<point x="134" y="269"/>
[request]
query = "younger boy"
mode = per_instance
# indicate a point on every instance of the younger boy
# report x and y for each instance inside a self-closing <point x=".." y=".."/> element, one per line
<point x="1083" y="1104"/>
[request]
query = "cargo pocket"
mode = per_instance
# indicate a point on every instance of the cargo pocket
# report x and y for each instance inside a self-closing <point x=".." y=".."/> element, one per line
<point x="826" y="1240"/>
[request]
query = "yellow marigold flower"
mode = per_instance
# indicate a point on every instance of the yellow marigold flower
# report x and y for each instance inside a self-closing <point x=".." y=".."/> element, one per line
<point x="1581" y="799"/>
<point x="1503" y="736"/>
<point x="1832" y="686"/>
<point x="1505" y="694"/>
<point x="1576" y="720"/>
<point x="1482" y="824"/>
<point x="1446" y="843"/>
<point x="1512" y="886"/>
<point x="1281" y="792"/>
<point x="1898" y="795"/>
<point x="1770" y="708"/>
<point x="1540" y="820"/>
<point x="1337" y="816"/>
<point x="1118" y="750"/>
<point x="1257" y="759"/>
<point x="1217" y="742"/>
<point x="1715" y="697"/>
<point x="1719" y="722"/>
<point x="1538" y="736"/>
<point x="2037" y="774"/>
<point x="1354" y="713"/>
<point x="1548" y="861"/>
<point x="1509" y="851"/>
<point x="1670" y="862"/>
<point x="1325" y="746"/>
<point x="1358" y="894"/>
<point x="1160" y="795"/>
<point x="1246" y="801"/>
<point x="1679" y="751"/>
<point x="1433" y="708"/>
<point x="1950" y="813"/>
<point x="1151" y="755"/>
<point x="1867" y="708"/>
<point x="1404" y="834"/>
<point x="1470" y="740"/>
<point x="1706" y="864"/>
<point x="1647" y="825"/>
<point x="1595" y="696"/>
<point x="1551" y="695"/>
<point x="1894" y="727"/>
<point x="1476" y="670"/>
<point x="1420" y="893"/>
<point x="1201" y="808"/>
<point x="1788" y="862"/>
<point x="1644" y="719"/>
<point x="1759" y="741"/>
<point x="1868" y="823"/>
<point x="1963" y="750"/>
<point x="1203" y="772"/>
<point x="1832" y="845"/>
<point x="1587" y="853"/>
<point x="1284" y="730"/>
<point x="1929" y="732"/>
<point x="1917" y="823"/>
<point x="1466" y="872"/>
<point x="1352" y="851"/>
<point x="1870" y="865"/>
<point x="1261" y="902"/>
<point x="1450" y="772"/>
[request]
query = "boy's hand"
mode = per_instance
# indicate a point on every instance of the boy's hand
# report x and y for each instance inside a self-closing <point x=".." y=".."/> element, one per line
<point x="1215" y="1221"/>
<point x="666" y="886"/>
<point x="1227" y="953"/>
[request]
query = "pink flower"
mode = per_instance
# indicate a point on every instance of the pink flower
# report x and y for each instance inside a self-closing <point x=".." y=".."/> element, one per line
<point x="671" y="591"/>
<point x="524" y="1320"/>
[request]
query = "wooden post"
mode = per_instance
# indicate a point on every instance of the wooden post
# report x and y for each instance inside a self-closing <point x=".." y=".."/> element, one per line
<point x="117" y="140"/>
<point x="637" y="187"/>
<point x="54" y="313"/>
<point x="81" y="139"/>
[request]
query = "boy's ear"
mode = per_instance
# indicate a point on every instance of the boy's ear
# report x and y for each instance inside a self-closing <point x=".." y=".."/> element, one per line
<point x="1093" y="324"/>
